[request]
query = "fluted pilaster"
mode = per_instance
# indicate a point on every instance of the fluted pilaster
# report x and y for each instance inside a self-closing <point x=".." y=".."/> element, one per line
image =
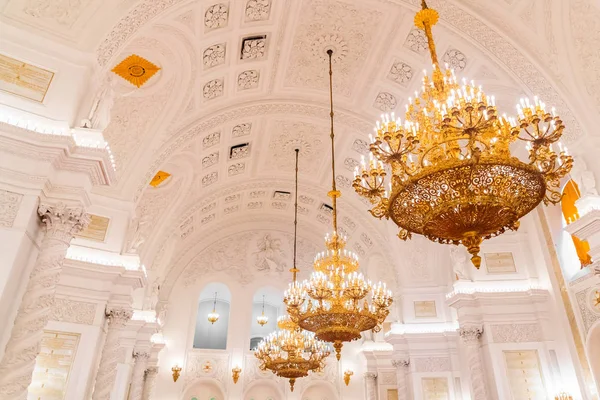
<point x="149" y="382"/>
<point x="470" y="337"/>
<point x="60" y="224"/>
<point x="371" y="385"/>
<point x="137" y="377"/>
<point x="401" y="370"/>
<point x="112" y="354"/>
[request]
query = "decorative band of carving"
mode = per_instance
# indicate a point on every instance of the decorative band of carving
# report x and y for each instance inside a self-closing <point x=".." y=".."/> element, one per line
<point x="402" y="363"/>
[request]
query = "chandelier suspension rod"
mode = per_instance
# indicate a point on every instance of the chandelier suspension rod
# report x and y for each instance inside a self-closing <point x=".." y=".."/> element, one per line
<point x="295" y="269"/>
<point x="334" y="194"/>
<point x="427" y="28"/>
<point x="215" y="302"/>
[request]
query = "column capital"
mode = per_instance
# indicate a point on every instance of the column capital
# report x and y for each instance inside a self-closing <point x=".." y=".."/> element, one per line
<point x="61" y="221"/>
<point x="470" y="334"/>
<point x="401" y="363"/>
<point x="151" y="371"/>
<point x="118" y="316"/>
<point x="370" y="375"/>
<point x="141" y="355"/>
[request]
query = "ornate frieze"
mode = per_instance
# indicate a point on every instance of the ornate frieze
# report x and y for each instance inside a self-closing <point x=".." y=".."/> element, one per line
<point x="432" y="364"/>
<point x="77" y="312"/>
<point x="516" y="333"/>
<point x="9" y="207"/>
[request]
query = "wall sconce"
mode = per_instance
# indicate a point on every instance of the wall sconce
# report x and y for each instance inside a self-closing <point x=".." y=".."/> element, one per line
<point x="176" y="372"/>
<point x="563" y="396"/>
<point x="236" y="373"/>
<point x="347" y="375"/>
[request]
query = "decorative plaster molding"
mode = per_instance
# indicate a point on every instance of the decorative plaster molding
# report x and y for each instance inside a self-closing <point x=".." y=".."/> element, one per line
<point x="516" y="333"/>
<point x="9" y="207"/>
<point x="432" y="364"/>
<point x="387" y="378"/>
<point x="77" y="312"/>
<point x="470" y="334"/>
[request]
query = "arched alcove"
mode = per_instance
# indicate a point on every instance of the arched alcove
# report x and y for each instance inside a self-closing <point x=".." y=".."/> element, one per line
<point x="204" y="389"/>
<point x="593" y="351"/>
<point x="319" y="391"/>
<point x="215" y="297"/>
<point x="263" y="390"/>
<point x="272" y="300"/>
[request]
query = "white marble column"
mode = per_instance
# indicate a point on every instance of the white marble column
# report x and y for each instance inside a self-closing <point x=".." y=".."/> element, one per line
<point x="371" y="385"/>
<point x="112" y="353"/>
<point x="60" y="223"/>
<point x="470" y="336"/>
<point x="149" y="382"/>
<point x="137" y="377"/>
<point x="401" y="369"/>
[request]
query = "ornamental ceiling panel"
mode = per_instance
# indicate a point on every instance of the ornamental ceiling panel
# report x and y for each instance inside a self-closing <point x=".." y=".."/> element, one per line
<point x="349" y="29"/>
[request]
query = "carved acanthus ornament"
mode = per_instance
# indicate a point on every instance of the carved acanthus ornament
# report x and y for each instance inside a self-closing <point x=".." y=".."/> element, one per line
<point x="60" y="223"/>
<point x="371" y="385"/>
<point x="112" y="353"/>
<point x="149" y="382"/>
<point x="470" y="336"/>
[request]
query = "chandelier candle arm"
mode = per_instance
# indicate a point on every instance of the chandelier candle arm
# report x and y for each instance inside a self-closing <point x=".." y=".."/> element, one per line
<point x="450" y="170"/>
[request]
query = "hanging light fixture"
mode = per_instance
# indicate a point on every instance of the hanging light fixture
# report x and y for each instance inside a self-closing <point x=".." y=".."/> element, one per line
<point x="262" y="319"/>
<point x="213" y="316"/>
<point x="291" y="352"/>
<point x="329" y="304"/>
<point x="454" y="178"/>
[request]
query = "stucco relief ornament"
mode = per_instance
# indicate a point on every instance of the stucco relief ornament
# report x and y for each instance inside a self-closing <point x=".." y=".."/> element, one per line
<point x="460" y="262"/>
<point x="248" y="80"/>
<point x="62" y="222"/>
<point x="216" y="16"/>
<point x="214" y="55"/>
<point x="258" y="10"/>
<point x="269" y="256"/>
<point x="99" y="115"/>
<point x="135" y="235"/>
<point x="455" y="59"/>
<point x="471" y="334"/>
<point x="400" y="72"/>
<point x="213" y="89"/>
<point x="385" y="102"/>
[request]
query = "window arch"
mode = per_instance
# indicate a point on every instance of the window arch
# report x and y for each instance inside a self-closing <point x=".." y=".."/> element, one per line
<point x="570" y="196"/>
<point x="207" y="335"/>
<point x="273" y="306"/>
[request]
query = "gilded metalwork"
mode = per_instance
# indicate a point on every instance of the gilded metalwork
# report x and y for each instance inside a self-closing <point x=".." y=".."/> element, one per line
<point x="333" y="302"/>
<point x="453" y="177"/>
<point x="291" y="352"/>
<point x="136" y="70"/>
<point x="159" y="178"/>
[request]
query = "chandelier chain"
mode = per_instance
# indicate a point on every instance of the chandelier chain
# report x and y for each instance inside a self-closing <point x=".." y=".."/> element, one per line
<point x="295" y="269"/>
<point x="334" y="194"/>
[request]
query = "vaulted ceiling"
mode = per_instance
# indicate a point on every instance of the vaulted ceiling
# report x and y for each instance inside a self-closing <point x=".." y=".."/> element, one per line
<point x="244" y="83"/>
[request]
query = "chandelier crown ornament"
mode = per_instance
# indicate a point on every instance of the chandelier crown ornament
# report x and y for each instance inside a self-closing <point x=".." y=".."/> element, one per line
<point x="453" y="175"/>
<point x="262" y="319"/>
<point x="291" y="352"/>
<point x="213" y="316"/>
<point x="335" y="303"/>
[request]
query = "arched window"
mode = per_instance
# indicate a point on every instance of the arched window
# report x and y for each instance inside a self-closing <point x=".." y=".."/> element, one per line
<point x="214" y="298"/>
<point x="271" y="301"/>
<point x="569" y="209"/>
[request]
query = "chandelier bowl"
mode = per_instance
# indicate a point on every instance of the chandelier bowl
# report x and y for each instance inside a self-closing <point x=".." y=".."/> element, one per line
<point x="459" y="201"/>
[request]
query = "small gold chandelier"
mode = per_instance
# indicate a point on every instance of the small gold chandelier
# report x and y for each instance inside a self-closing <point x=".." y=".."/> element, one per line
<point x="329" y="304"/>
<point x="262" y="319"/>
<point x="213" y="316"/>
<point x="453" y="176"/>
<point x="291" y="352"/>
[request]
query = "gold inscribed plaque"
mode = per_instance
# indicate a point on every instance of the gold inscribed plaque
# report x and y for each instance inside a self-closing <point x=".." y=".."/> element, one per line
<point x="22" y="79"/>
<point x="435" y="388"/>
<point x="524" y="374"/>
<point x="425" y="309"/>
<point x="392" y="394"/>
<point x="136" y="70"/>
<point x="500" y="263"/>
<point x="159" y="178"/>
<point x="96" y="230"/>
<point x="53" y="365"/>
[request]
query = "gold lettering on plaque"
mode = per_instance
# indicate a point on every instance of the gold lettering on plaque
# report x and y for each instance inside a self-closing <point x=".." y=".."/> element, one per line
<point x="22" y="79"/>
<point x="524" y="374"/>
<point x="500" y="263"/>
<point x="425" y="309"/>
<point x="435" y="388"/>
<point x="96" y="230"/>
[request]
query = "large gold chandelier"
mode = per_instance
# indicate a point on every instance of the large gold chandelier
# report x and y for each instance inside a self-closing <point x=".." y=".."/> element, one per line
<point x="291" y="352"/>
<point x="333" y="302"/>
<point x="454" y="178"/>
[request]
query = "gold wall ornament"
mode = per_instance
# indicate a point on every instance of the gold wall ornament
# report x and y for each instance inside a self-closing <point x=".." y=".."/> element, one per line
<point x="159" y="178"/>
<point x="451" y="175"/>
<point x="597" y="298"/>
<point x="563" y="396"/>
<point x="136" y="70"/>
<point x="236" y="371"/>
<point x="176" y="372"/>
<point x="333" y="302"/>
<point x="347" y="374"/>
<point x="96" y="229"/>
<point x="291" y="352"/>
<point x="262" y="319"/>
